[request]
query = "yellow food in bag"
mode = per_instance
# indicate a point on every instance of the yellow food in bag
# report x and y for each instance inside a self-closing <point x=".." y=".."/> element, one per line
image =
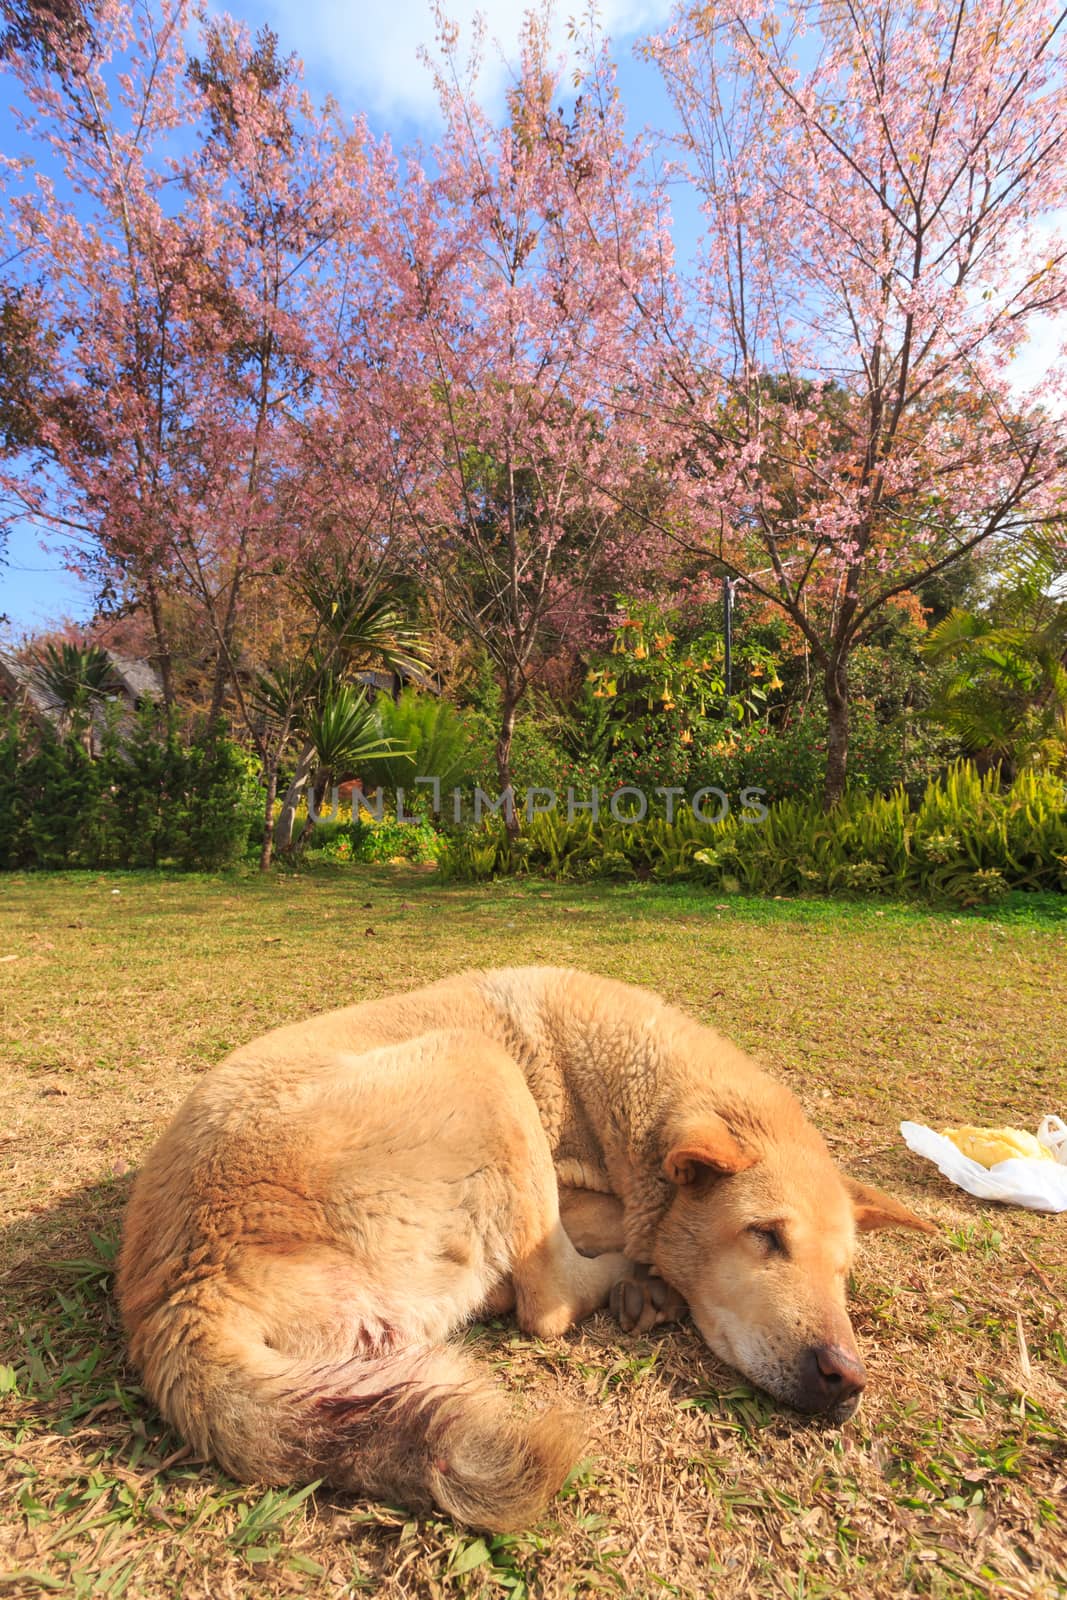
<point x="987" y="1146"/>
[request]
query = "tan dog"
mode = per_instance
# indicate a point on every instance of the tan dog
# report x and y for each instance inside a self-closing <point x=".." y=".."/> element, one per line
<point x="337" y="1198"/>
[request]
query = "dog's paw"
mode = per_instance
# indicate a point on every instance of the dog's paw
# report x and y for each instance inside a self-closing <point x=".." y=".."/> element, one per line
<point x="642" y="1300"/>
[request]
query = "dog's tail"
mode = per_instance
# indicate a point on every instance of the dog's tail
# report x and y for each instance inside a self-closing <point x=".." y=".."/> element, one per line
<point x="420" y="1426"/>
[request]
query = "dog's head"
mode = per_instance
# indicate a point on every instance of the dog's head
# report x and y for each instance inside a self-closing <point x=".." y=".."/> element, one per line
<point x="759" y="1237"/>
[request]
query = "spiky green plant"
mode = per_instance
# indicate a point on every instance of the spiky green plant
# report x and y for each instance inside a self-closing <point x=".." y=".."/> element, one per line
<point x="1006" y="697"/>
<point x="77" y="678"/>
<point x="432" y="740"/>
<point x="343" y="728"/>
<point x="969" y="839"/>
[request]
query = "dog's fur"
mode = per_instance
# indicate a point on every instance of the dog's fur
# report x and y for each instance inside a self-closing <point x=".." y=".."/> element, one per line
<point x="338" y="1197"/>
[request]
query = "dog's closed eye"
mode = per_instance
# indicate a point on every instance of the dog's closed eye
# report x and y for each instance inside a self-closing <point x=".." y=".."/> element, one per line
<point x="770" y="1237"/>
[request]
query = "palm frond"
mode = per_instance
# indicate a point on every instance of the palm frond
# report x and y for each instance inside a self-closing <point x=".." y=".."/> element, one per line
<point x="344" y="729"/>
<point x="362" y="620"/>
<point x="74" y="675"/>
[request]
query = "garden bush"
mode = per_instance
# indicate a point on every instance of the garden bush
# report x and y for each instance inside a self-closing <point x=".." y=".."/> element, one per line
<point x="149" y="798"/>
<point x="968" y="840"/>
<point x="789" y="761"/>
<point x="64" y="797"/>
<point x="390" y="840"/>
<point x="372" y="839"/>
<point x="443" y="744"/>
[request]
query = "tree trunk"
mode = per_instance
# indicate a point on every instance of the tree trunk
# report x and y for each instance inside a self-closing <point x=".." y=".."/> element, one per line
<point x="316" y="800"/>
<point x="162" y="650"/>
<point x="218" y="689"/>
<point x="508" y="712"/>
<point x="267" y="849"/>
<point x="283" y="831"/>
<point x="224" y="654"/>
<point x="836" y="689"/>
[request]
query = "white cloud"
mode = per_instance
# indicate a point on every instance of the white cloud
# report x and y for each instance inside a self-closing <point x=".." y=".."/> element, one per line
<point x="368" y="55"/>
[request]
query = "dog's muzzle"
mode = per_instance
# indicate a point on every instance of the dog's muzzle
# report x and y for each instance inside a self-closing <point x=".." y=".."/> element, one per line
<point x="831" y="1382"/>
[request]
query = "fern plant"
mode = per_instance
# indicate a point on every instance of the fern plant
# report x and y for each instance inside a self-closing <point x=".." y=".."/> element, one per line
<point x="969" y="840"/>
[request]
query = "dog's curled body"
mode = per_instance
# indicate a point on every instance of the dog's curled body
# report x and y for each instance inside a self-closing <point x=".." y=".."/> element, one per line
<point x="338" y="1197"/>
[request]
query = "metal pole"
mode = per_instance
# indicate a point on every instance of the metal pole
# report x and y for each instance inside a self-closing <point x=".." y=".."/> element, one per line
<point x="727" y="633"/>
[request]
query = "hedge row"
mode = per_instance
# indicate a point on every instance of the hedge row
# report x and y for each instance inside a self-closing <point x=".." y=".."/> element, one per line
<point x="148" y="799"/>
<point x="969" y="840"/>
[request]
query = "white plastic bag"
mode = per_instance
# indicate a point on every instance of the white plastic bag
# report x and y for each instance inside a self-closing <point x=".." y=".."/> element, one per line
<point x="1037" y="1185"/>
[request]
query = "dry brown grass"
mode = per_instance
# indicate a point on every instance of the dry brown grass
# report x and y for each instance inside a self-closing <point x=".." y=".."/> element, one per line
<point x="952" y="1480"/>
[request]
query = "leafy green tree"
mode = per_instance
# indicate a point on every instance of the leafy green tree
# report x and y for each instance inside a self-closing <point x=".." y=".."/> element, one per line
<point x="1006" y="697"/>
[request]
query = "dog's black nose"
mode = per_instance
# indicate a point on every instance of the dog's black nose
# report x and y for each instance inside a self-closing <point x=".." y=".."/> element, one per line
<point x="832" y="1378"/>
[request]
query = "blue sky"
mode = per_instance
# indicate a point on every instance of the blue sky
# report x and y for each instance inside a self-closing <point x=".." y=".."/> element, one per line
<point x="367" y="58"/>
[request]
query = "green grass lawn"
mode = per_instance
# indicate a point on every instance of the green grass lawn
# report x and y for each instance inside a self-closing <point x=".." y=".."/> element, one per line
<point x="951" y="1480"/>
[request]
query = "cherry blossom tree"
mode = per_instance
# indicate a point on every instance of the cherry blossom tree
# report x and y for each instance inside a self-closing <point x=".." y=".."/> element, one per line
<point x="196" y="226"/>
<point x="86" y="236"/>
<point x="517" y="268"/>
<point x="885" y="193"/>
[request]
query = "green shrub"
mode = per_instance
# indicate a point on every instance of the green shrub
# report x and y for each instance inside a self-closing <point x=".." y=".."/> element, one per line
<point x="12" y="793"/>
<point x="62" y="793"/>
<point x="537" y="760"/>
<point x="789" y="761"/>
<point x="785" y="761"/>
<point x="148" y="798"/>
<point x="223" y="804"/>
<point x="148" y="772"/>
<point x="968" y="840"/>
<point x="444" y="744"/>
<point x="364" y="837"/>
<point x="390" y="840"/>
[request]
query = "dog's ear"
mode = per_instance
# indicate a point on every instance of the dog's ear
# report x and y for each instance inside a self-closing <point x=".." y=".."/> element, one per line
<point x="877" y="1210"/>
<point x="707" y="1145"/>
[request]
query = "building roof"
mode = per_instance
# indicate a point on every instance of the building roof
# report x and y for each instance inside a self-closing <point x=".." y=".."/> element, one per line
<point x="139" y="678"/>
<point x="138" y="681"/>
<point x="17" y="683"/>
<point x="384" y="681"/>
